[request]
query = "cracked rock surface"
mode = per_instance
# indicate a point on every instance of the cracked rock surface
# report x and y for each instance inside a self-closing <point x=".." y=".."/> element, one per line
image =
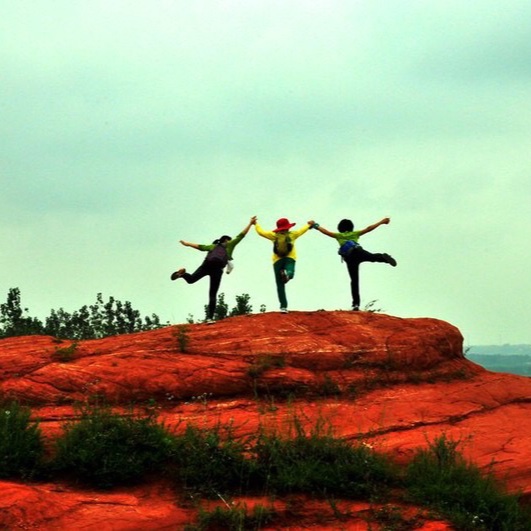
<point x="396" y="383"/>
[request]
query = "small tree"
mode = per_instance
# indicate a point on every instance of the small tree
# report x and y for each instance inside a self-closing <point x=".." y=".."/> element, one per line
<point x="14" y="320"/>
<point x="242" y="305"/>
<point x="98" y="320"/>
<point x="222" y="308"/>
<point x="89" y="322"/>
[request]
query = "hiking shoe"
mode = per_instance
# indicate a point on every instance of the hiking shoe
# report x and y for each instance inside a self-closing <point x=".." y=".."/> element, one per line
<point x="284" y="310"/>
<point x="178" y="274"/>
<point x="355" y="308"/>
<point x="390" y="260"/>
<point x="284" y="276"/>
<point x="210" y="321"/>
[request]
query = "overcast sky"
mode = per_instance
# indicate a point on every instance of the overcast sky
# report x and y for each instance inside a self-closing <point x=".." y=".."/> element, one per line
<point x="129" y="125"/>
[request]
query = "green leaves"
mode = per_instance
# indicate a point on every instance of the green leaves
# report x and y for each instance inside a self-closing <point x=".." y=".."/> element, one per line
<point x="105" y="449"/>
<point x="100" y="319"/>
<point x="21" y="447"/>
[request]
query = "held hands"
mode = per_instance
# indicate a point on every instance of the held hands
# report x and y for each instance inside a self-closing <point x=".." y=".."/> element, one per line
<point x="253" y="220"/>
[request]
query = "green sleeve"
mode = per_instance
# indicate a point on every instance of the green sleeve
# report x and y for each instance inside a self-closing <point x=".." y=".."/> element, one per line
<point x="206" y="248"/>
<point x="235" y="241"/>
<point x="343" y="237"/>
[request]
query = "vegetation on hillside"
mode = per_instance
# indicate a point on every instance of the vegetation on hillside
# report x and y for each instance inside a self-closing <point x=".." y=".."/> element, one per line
<point x="242" y="306"/>
<point x="103" y="449"/>
<point x="97" y="320"/>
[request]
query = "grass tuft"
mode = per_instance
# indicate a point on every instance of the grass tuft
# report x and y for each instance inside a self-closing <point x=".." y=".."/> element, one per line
<point x="315" y="462"/>
<point x="211" y="461"/>
<point x="104" y="449"/>
<point x="65" y="354"/>
<point x="21" y="446"/>
<point x="183" y="339"/>
<point x="441" y="478"/>
<point x="236" y="518"/>
<point x="265" y="362"/>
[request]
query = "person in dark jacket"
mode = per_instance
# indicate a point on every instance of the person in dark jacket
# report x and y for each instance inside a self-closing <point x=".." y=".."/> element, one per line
<point x="219" y="255"/>
<point x="352" y="252"/>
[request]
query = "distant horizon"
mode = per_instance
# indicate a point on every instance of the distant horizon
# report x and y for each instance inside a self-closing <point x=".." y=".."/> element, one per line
<point x="502" y="346"/>
<point x="466" y="346"/>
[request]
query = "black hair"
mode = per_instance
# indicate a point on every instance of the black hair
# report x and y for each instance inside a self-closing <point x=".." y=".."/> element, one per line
<point x="345" y="225"/>
<point x="223" y="239"/>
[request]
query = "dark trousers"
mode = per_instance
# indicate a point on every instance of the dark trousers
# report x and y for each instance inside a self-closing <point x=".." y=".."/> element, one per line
<point x="353" y="261"/>
<point x="214" y="272"/>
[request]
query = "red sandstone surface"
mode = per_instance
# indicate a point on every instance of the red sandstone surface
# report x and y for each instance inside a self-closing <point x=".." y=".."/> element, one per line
<point x="397" y="383"/>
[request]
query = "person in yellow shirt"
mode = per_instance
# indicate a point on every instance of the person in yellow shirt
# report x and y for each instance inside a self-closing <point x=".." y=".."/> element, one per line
<point x="284" y="255"/>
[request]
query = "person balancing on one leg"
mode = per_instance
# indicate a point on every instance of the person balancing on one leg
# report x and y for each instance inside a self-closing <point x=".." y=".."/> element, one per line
<point x="353" y="254"/>
<point x="284" y="255"/>
<point x="219" y="255"/>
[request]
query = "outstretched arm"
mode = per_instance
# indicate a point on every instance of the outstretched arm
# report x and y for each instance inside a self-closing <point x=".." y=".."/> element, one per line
<point x="270" y="235"/>
<point x="383" y="221"/>
<point x="321" y="229"/>
<point x="189" y="244"/>
<point x="252" y="221"/>
<point x="237" y="239"/>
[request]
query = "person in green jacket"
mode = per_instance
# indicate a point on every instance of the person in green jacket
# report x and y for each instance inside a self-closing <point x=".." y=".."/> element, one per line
<point x="219" y="255"/>
<point x="284" y="255"/>
<point x="353" y="254"/>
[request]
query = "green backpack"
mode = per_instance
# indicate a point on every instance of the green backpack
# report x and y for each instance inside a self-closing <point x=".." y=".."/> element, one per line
<point x="282" y="245"/>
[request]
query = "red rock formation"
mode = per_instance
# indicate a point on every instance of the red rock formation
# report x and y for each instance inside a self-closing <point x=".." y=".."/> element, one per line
<point x="397" y="382"/>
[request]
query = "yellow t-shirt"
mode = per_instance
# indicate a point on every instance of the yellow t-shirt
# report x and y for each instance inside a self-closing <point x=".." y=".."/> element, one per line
<point x="293" y="234"/>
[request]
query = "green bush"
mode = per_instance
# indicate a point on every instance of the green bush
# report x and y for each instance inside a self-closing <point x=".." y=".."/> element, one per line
<point x="21" y="447"/>
<point x="208" y="465"/>
<point x="318" y="463"/>
<point x="104" y="449"/>
<point x="235" y="518"/>
<point x="243" y="306"/>
<point x="265" y="362"/>
<point x="65" y="354"/>
<point x="441" y="478"/>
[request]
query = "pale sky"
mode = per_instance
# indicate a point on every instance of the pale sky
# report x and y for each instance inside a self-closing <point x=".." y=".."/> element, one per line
<point x="129" y="125"/>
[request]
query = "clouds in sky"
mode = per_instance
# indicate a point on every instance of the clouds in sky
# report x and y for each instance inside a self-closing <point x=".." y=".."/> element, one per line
<point x="129" y="125"/>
